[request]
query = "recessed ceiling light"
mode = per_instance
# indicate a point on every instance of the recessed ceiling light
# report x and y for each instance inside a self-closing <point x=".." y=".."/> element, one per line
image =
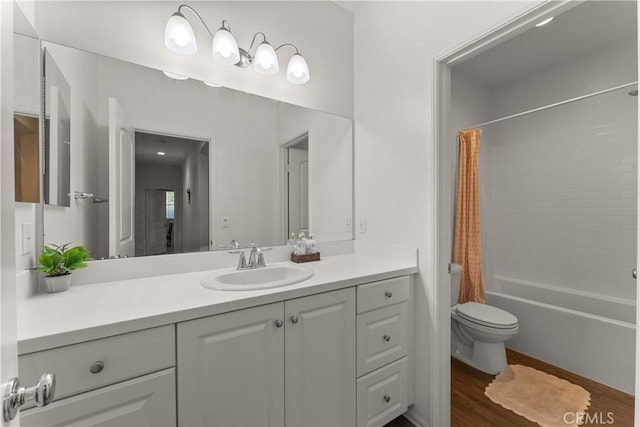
<point x="161" y="153"/>
<point x="175" y="76"/>
<point x="212" y="84"/>
<point x="545" y="22"/>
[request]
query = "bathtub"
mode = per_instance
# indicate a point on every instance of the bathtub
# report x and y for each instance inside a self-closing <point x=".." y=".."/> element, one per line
<point x="591" y="335"/>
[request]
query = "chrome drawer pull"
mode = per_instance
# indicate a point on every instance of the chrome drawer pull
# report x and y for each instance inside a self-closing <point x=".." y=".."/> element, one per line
<point x="387" y="338"/>
<point x="97" y="367"/>
<point x="294" y="319"/>
<point x="387" y="398"/>
<point x="279" y="323"/>
<point x="388" y="294"/>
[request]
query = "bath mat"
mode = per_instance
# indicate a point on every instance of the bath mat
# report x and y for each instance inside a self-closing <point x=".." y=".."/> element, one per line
<point x="539" y="397"/>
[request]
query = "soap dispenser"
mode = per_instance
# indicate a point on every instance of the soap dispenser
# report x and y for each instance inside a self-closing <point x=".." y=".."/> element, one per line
<point x="311" y="245"/>
<point x="301" y="244"/>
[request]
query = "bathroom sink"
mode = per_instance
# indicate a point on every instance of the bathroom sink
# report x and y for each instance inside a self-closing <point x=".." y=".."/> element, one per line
<point x="273" y="276"/>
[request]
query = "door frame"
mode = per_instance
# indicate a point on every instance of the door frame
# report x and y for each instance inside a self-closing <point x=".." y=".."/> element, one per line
<point x="443" y="187"/>
<point x="283" y="184"/>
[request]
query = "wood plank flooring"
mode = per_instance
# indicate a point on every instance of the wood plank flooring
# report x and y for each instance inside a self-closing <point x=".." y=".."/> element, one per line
<point x="470" y="407"/>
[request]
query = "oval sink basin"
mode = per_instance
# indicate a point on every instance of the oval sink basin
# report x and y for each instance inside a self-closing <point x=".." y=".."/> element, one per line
<point x="272" y="276"/>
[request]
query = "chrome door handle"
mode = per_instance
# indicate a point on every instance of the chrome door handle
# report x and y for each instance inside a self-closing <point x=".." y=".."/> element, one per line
<point x="96" y="367"/>
<point x="386" y="337"/>
<point x="294" y="319"/>
<point x="634" y="273"/>
<point x="387" y="398"/>
<point x="15" y="396"/>
<point x="388" y="294"/>
<point x="278" y="323"/>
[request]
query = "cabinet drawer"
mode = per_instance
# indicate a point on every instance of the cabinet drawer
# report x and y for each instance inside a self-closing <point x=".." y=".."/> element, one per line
<point x="380" y="294"/>
<point x="145" y="401"/>
<point x="382" y="394"/>
<point x="123" y="357"/>
<point x="382" y="337"/>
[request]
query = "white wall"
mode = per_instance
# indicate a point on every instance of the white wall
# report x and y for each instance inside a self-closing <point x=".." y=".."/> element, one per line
<point x="563" y="181"/>
<point x="322" y="31"/>
<point x="330" y="168"/>
<point x="26" y="55"/>
<point x="395" y="46"/>
<point x="78" y="223"/>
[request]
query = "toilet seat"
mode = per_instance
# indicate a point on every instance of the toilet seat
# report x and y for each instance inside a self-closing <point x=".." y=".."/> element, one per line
<point x="486" y="315"/>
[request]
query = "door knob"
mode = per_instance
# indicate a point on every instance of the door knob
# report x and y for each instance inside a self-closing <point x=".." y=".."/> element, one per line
<point x="634" y="273"/>
<point x="278" y="323"/>
<point x="294" y="319"/>
<point x="15" y="395"/>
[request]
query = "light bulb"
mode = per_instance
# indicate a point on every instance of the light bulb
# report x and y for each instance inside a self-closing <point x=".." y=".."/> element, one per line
<point x="265" y="61"/>
<point x="179" y="36"/>
<point x="225" y="48"/>
<point x="297" y="70"/>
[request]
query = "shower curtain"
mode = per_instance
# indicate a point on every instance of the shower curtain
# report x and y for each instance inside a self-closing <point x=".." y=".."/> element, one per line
<point x="467" y="250"/>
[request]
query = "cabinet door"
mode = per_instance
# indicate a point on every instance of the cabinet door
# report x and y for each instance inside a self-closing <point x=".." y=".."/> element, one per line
<point x="320" y="353"/>
<point x="231" y="369"/>
<point x="145" y="401"/>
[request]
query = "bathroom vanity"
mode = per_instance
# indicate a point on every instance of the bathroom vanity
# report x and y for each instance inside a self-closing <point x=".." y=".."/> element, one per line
<point x="335" y="349"/>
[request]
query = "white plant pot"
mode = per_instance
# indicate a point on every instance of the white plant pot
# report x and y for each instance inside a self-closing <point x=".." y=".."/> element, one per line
<point x="57" y="283"/>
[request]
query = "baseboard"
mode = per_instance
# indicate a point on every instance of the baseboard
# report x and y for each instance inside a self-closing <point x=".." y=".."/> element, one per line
<point x="414" y="418"/>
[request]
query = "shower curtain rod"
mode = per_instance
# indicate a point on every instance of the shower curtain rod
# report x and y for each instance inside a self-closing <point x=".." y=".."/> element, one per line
<point x="556" y="104"/>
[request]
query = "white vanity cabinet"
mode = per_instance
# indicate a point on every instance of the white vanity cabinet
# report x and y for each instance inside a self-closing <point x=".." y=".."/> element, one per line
<point x="289" y="363"/>
<point x="384" y="320"/>
<point x="121" y="380"/>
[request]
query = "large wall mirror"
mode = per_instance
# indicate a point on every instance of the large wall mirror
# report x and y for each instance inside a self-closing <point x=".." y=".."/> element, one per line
<point x="160" y="165"/>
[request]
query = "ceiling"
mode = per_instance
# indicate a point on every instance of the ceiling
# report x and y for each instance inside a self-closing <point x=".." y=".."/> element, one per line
<point x="590" y="25"/>
<point x="175" y="149"/>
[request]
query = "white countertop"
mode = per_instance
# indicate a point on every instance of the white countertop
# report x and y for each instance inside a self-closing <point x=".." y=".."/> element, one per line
<point x="94" y="311"/>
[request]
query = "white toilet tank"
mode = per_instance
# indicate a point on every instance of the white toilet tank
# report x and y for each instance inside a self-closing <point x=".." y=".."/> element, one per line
<point x="455" y="270"/>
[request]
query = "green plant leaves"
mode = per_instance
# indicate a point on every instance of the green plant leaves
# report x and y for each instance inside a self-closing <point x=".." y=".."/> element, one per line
<point x="58" y="260"/>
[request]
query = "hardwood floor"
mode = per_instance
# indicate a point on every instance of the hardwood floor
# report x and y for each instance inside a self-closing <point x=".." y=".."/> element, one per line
<point x="470" y="407"/>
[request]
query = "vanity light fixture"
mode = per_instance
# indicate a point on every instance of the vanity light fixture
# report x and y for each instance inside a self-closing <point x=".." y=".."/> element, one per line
<point x="180" y="38"/>
<point x="545" y="22"/>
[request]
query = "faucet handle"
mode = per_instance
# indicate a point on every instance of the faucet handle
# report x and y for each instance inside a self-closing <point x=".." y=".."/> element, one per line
<point x="242" y="261"/>
<point x="251" y="245"/>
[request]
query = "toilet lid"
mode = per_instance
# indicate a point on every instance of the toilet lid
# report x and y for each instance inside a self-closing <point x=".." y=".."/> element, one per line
<point x="486" y="315"/>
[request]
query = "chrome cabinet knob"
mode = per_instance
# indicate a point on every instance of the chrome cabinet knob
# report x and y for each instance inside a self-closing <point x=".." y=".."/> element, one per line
<point x="15" y="396"/>
<point x="386" y="337"/>
<point x="387" y="398"/>
<point x="97" y="367"/>
<point x="388" y="294"/>
<point x="294" y="319"/>
<point x="279" y="323"/>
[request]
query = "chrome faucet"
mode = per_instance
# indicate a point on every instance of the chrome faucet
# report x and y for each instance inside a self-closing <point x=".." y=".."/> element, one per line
<point x="256" y="257"/>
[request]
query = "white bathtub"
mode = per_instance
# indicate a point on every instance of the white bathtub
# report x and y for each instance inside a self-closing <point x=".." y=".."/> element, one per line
<point x="591" y="335"/>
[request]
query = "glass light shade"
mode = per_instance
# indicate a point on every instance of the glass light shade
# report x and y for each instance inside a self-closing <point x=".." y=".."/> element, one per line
<point x="175" y="76"/>
<point x="179" y="36"/>
<point x="297" y="70"/>
<point x="265" y="61"/>
<point x="225" y="48"/>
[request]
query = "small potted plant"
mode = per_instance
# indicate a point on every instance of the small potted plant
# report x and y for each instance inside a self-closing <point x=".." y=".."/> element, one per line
<point x="57" y="263"/>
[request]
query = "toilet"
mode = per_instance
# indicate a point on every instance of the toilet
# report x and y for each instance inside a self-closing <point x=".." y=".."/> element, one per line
<point x="479" y="331"/>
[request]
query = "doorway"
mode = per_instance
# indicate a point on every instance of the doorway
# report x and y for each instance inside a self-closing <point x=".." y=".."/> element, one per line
<point x="297" y="185"/>
<point x="172" y="193"/>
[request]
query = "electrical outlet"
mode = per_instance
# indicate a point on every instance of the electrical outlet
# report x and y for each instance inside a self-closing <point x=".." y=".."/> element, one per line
<point x="362" y="225"/>
<point x="27" y="238"/>
<point x="347" y="226"/>
<point x="226" y="223"/>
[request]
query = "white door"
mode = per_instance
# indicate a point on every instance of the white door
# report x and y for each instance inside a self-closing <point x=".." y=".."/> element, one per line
<point x="155" y="221"/>
<point x="8" y="347"/>
<point x="231" y="369"/>
<point x="121" y="182"/>
<point x="320" y="353"/>
<point x="298" y="188"/>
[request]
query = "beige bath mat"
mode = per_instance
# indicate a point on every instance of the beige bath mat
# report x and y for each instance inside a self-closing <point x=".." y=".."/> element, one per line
<point x="539" y="397"/>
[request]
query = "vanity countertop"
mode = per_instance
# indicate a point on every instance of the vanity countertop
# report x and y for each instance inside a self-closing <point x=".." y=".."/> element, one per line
<point x="94" y="311"/>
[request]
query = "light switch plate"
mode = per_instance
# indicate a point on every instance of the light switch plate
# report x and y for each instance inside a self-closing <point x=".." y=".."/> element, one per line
<point x="362" y="225"/>
<point x="27" y="238"/>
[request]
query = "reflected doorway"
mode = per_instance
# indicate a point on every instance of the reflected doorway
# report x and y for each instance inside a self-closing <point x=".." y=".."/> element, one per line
<point x="172" y="194"/>
<point x="297" y="169"/>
